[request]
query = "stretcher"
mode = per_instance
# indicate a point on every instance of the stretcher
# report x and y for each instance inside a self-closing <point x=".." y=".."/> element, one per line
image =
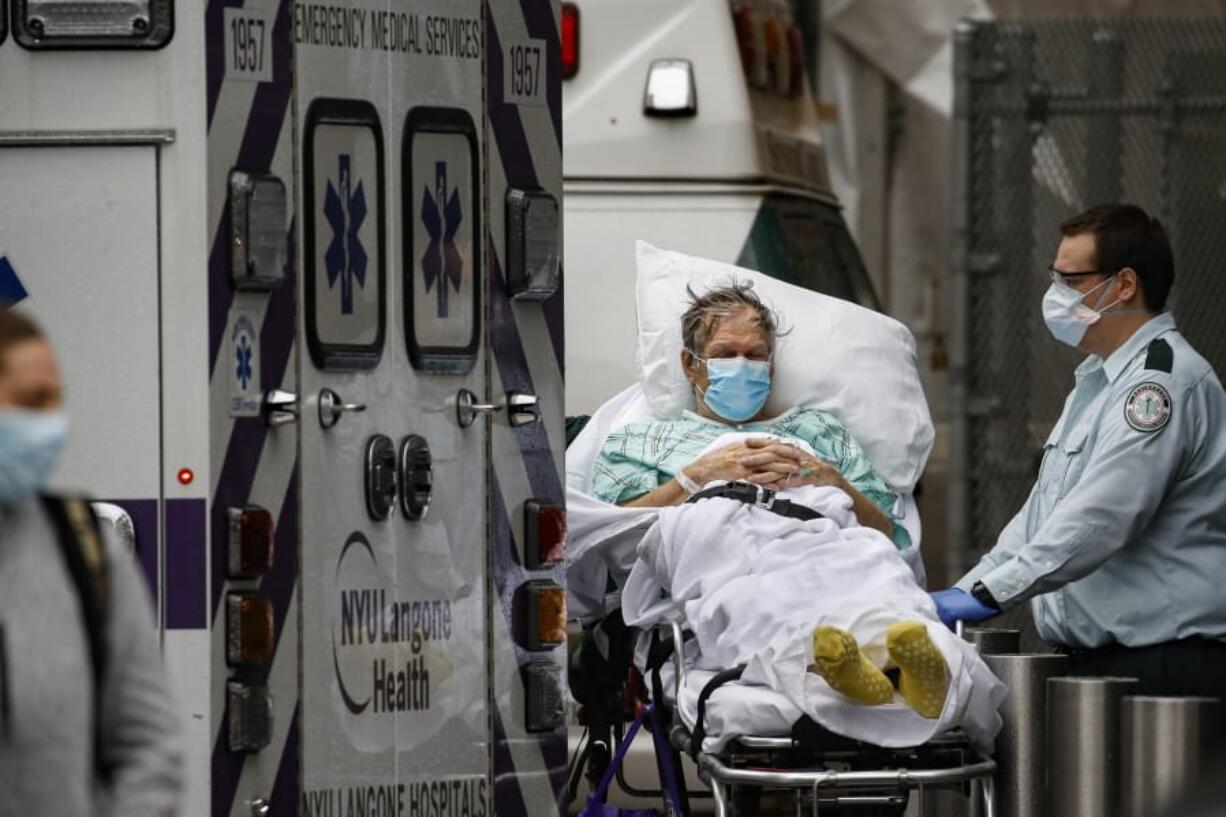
<point x="812" y="769"/>
<point x="822" y="771"/>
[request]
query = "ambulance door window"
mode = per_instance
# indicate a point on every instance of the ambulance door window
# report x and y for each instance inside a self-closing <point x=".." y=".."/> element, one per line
<point x="805" y="242"/>
<point x="345" y="281"/>
<point x="847" y="259"/>
<point x="442" y="251"/>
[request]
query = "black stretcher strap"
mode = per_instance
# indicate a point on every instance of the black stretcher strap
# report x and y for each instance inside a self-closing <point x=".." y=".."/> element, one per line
<point x="752" y="494"/>
<point x="700" y="723"/>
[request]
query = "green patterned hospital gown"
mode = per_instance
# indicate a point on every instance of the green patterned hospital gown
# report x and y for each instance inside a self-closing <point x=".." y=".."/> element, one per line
<point x="640" y="457"/>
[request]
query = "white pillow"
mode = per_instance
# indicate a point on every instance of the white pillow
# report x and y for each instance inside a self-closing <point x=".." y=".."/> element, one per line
<point x="857" y="364"/>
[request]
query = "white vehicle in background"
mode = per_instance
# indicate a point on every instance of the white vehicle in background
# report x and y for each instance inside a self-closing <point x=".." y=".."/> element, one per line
<point x="300" y="261"/>
<point x="689" y="124"/>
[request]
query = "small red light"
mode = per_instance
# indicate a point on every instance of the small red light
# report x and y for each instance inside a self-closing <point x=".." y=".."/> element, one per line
<point x="570" y="40"/>
<point x="186" y="476"/>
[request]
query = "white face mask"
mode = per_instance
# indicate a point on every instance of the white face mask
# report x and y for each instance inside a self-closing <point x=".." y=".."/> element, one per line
<point x="1067" y="318"/>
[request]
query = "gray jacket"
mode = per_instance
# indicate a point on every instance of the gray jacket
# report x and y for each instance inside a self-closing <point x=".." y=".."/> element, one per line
<point x="46" y="740"/>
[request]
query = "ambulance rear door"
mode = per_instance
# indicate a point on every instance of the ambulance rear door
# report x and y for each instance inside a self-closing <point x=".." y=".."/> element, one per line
<point x="393" y="408"/>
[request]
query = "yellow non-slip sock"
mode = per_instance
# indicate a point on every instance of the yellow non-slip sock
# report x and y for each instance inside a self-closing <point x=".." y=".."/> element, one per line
<point x="837" y="658"/>
<point x="924" y="676"/>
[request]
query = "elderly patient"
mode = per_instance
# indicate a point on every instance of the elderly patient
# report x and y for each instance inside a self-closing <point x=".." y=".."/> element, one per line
<point x="728" y="338"/>
<point x="728" y="341"/>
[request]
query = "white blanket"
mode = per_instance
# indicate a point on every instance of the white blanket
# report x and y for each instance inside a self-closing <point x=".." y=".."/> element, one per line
<point x="752" y="585"/>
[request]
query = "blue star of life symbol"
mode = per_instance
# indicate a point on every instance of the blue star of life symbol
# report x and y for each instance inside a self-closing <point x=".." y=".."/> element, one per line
<point x="345" y="210"/>
<point x="441" y="215"/>
<point x="243" y="353"/>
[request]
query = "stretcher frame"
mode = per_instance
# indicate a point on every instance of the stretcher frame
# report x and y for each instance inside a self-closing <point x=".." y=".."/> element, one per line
<point x="831" y="787"/>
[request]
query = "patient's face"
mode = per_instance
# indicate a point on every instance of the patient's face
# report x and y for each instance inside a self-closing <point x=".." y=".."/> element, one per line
<point x="736" y="335"/>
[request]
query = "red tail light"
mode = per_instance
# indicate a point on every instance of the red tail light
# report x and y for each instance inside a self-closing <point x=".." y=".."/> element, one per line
<point x="544" y="533"/>
<point x="570" y="40"/>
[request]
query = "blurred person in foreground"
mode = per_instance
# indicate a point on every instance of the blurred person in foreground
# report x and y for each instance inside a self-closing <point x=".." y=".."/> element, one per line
<point x="86" y="722"/>
<point x="1121" y="546"/>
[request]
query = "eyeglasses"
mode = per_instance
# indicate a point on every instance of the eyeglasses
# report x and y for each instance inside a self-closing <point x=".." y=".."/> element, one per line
<point x="1059" y="276"/>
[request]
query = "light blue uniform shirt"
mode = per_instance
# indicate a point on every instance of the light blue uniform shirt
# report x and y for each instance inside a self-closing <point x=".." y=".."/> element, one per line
<point x="1123" y="537"/>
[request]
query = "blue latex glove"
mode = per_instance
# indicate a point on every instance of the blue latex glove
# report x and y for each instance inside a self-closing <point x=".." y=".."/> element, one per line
<point x="956" y="605"/>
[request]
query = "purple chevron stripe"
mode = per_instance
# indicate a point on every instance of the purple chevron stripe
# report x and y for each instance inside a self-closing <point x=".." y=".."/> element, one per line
<point x="214" y="49"/>
<point x="186" y="594"/>
<point x="284" y="798"/>
<point x="278" y="587"/>
<point x="556" y="324"/>
<point x="247" y="436"/>
<point x="509" y="578"/>
<point x="540" y="22"/>
<point x="508" y="572"/>
<point x="508" y="127"/>
<point x="508" y="798"/>
<point x="513" y="369"/>
<point x="264" y="122"/>
<point x="518" y="164"/>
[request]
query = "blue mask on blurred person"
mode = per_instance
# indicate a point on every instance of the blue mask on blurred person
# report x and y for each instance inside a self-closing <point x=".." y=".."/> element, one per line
<point x="737" y="388"/>
<point x="30" y="446"/>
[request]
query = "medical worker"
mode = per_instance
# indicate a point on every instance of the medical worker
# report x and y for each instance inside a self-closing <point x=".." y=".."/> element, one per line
<point x="1121" y="546"/>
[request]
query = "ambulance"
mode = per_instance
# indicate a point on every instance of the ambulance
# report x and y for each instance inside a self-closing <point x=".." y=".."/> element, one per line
<point x="301" y="262"/>
<point x="690" y="124"/>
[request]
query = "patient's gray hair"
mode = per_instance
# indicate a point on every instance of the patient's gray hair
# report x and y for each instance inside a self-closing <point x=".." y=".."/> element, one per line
<point x="707" y="310"/>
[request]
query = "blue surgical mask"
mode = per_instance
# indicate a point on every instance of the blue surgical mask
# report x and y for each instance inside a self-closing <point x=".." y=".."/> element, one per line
<point x="30" y="447"/>
<point x="737" y="388"/>
<point x="1067" y="318"/>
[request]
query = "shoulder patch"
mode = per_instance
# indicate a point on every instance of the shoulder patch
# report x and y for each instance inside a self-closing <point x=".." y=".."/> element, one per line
<point x="1148" y="407"/>
<point x="1160" y="356"/>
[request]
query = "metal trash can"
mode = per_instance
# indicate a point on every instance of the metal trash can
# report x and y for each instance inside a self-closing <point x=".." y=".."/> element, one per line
<point x="1166" y="742"/>
<point x="1021" y="744"/>
<point x="1083" y="745"/>
<point x="990" y="641"/>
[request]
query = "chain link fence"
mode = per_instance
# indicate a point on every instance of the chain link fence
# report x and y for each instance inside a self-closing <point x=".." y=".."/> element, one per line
<point x="1051" y="118"/>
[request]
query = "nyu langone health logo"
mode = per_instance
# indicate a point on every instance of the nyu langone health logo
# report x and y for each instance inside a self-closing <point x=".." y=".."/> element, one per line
<point x="345" y="210"/>
<point x="375" y="629"/>
<point x="441" y="215"/>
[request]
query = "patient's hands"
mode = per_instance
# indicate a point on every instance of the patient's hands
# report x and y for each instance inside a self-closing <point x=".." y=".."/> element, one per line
<point x="790" y="467"/>
<point x="754" y="459"/>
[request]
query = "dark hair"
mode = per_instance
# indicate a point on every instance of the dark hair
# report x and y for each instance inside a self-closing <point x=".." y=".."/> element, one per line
<point x="1127" y="236"/>
<point x="15" y="328"/>
<point x="708" y="309"/>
